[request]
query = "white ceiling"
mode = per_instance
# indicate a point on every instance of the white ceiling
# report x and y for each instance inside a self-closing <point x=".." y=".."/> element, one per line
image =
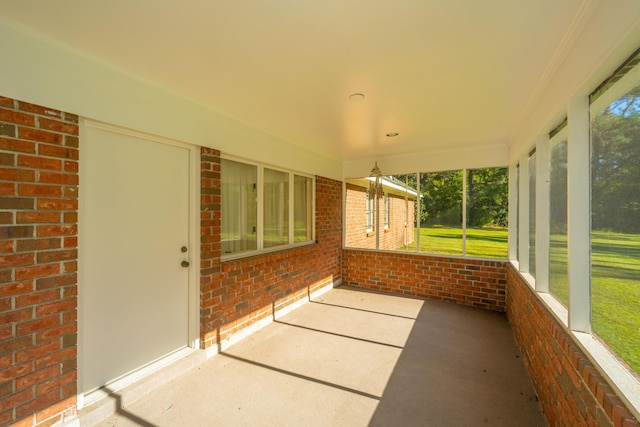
<point x="441" y="73"/>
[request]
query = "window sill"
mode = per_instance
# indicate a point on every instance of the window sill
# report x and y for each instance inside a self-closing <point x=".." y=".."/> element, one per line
<point x="619" y="376"/>
<point x="249" y="254"/>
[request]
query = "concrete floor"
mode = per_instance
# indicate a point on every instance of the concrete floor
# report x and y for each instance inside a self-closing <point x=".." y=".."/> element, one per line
<point x="355" y="358"/>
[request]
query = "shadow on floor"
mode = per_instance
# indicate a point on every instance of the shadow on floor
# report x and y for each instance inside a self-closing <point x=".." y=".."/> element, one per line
<point x="459" y="367"/>
<point x="354" y="357"/>
<point x="131" y="417"/>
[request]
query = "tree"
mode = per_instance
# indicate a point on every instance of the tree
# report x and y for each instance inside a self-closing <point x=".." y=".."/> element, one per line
<point x="615" y="165"/>
<point x="488" y="197"/>
<point x="441" y="201"/>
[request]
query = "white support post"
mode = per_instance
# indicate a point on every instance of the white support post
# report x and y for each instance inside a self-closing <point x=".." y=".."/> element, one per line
<point x="464" y="212"/>
<point x="579" y="214"/>
<point x="513" y="213"/>
<point x="418" y="210"/>
<point x="543" y="155"/>
<point x="523" y="214"/>
<point x="377" y="218"/>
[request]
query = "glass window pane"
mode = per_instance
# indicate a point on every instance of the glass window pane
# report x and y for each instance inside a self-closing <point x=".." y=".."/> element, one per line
<point x="387" y="210"/>
<point x="276" y="208"/>
<point x="532" y="214"/>
<point x="558" y="279"/>
<point x="516" y="204"/>
<point x="402" y="213"/>
<point x="398" y="213"/>
<point x="397" y="208"/>
<point x="370" y="209"/>
<point x="487" y="211"/>
<point x="441" y="212"/>
<point x="302" y="209"/>
<point x="239" y="207"/>
<point x="615" y="225"/>
<point x="359" y="215"/>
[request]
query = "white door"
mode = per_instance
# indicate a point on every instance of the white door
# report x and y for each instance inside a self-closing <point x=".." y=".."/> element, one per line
<point x="134" y="237"/>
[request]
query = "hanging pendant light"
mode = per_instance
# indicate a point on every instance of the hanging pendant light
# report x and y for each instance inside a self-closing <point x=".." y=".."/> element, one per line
<point x="375" y="187"/>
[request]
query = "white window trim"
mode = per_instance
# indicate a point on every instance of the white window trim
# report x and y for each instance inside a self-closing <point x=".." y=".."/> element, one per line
<point x="369" y="212"/>
<point x="260" y="210"/>
<point x="577" y="318"/>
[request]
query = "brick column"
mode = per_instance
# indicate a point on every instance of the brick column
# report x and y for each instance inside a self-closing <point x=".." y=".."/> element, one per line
<point x="210" y="199"/>
<point x="38" y="262"/>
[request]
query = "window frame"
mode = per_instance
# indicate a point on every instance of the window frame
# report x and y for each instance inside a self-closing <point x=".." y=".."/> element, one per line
<point x="387" y="211"/>
<point x="291" y="243"/>
<point x="370" y="208"/>
<point x="386" y="215"/>
<point x="576" y="319"/>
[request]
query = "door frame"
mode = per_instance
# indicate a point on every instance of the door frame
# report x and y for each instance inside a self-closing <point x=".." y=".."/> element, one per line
<point x="193" y="343"/>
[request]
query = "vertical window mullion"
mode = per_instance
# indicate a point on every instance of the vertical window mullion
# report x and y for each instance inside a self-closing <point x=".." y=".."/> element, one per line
<point x="312" y="214"/>
<point x="543" y="151"/>
<point x="513" y="212"/>
<point x="578" y="227"/>
<point x="292" y="205"/>
<point x="464" y="212"/>
<point x="418" y="211"/>
<point x="523" y="214"/>
<point x="260" y="196"/>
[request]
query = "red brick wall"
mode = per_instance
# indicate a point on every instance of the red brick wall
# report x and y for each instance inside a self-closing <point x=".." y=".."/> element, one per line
<point x="235" y="294"/>
<point x="210" y="229"/>
<point x="38" y="262"/>
<point x="355" y="220"/>
<point x="394" y="237"/>
<point x="356" y="235"/>
<point x="570" y="389"/>
<point x="476" y="283"/>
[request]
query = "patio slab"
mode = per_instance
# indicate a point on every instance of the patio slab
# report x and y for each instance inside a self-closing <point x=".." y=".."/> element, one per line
<point x="352" y="357"/>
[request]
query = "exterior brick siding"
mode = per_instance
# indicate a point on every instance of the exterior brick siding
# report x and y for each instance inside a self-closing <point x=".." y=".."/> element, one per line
<point x="238" y="293"/>
<point x="38" y="263"/>
<point x="570" y="389"/>
<point x="476" y="283"/>
<point x="395" y="236"/>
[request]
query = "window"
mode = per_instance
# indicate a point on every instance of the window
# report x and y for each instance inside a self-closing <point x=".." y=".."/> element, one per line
<point x="516" y="204"/>
<point x="594" y="231"/>
<point x="558" y="279"/>
<point x="239" y="207"/>
<point x="401" y="206"/>
<point x="615" y="213"/>
<point x="397" y="213"/>
<point x="284" y="199"/>
<point x="369" y="212"/>
<point x="387" y="210"/>
<point x="441" y="212"/>
<point x="302" y="209"/>
<point x="424" y="213"/>
<point x="487" y="212"/>
<point x="276" y="208"/>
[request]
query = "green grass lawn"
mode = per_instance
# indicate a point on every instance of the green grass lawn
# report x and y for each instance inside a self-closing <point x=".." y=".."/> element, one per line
<point x="486" y="242"/>
<point x="615" y="289"/>
<point x="615" y="271"/>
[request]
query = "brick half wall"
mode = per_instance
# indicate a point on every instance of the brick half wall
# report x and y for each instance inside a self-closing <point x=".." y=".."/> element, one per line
<point x="570" y="389"/>
<point x="471" y="282"/>
<point x="236" y="294"/>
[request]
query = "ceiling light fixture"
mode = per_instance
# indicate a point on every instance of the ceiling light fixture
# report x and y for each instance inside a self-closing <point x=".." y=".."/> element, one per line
<point x="356" y="97"/>
<point x="392" y="134"/>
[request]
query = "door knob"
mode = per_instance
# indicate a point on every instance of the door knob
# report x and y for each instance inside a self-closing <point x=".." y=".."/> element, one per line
<point x="185" y="264"/>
